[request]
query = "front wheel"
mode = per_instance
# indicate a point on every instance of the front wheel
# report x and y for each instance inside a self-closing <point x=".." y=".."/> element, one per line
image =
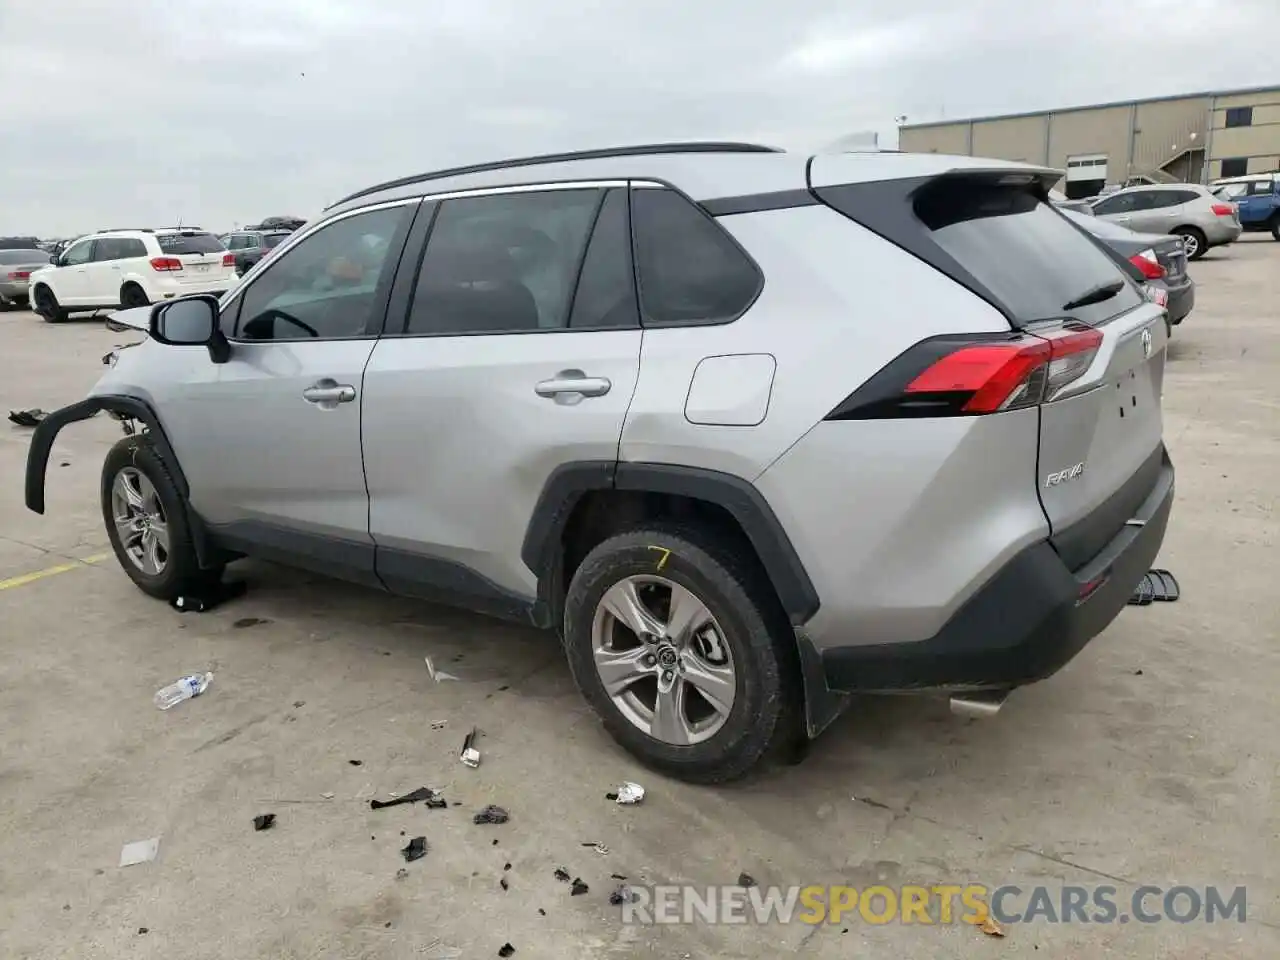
<point x="683" y="652"/>
<point x="47" y="306"/>
<point x="146" y="520"/>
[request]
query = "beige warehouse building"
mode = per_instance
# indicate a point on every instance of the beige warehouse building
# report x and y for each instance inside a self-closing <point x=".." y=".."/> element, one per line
<point x="1193" y="138"/>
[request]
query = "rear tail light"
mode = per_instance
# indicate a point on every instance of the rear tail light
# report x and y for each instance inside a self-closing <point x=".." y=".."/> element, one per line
<point x="20" y="275"/>
<point x="165" y="264"/>
<point x="228" y="259"/>
<point x="1146" y="262"/>
<point x="955" y="376"/>
<point x="1224" y="209"/>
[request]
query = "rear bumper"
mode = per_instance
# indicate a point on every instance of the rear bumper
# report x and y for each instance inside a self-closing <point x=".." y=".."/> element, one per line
<point x="1182" y="299"/>
<point x="14" y="289"/>
<point x="1222" y="233"/>
<point x="1028" y="621"/>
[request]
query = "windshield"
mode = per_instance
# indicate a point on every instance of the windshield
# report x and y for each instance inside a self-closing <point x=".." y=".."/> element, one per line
<point x="23" y="256"/>
<point x="189" y="242"/>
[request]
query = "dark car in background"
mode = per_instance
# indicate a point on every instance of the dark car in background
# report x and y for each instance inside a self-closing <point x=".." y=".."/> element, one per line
<point x="250" y="246"/>
<point x="1161" y="259"/>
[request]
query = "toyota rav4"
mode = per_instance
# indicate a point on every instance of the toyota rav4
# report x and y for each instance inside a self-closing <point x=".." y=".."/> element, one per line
<point x="752" y="431"/>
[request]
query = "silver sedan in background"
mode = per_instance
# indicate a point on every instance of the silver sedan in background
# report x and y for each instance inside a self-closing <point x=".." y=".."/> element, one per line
<point x="15" y="274"/>
<point x="1185" y="210"/>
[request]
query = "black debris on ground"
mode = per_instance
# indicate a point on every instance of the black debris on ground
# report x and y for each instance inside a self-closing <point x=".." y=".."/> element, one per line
<point x="578" y="888"/>
<point x="208" y="596"/>
<point x="437" y="802"/>
<point x="746" y="880"/>
<point x="504" y="883"/>
<point x="66" y="906"/>
<point x="618" y="876"/>
<point x="356" y="763"/>
<point x="142" y="930"/>
<point x="491" y="814"/>
<point x="541" y="912"/>
<point x="264" y="821"/>
<point x="244" y="622"/>
<point x="387" y="924"/>
<point x="1137" y="673"/>
<point x="298" y="704"/>
<point x="621" y="894"/>
<point x="27" y="418"/>
<point x="413" y="796"/>
<point x="416" y="850"/>
<point x="495" y="839"/>
<point x="506" y="950"/>
<point x="561" y="874"/>
<point x="506" y="867"/>
<point x="402" y="874"/>
<point x="65" y="463"/>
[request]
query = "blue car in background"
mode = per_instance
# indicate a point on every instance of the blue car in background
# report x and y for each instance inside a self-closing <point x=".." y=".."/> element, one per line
<point x="1257" y="200"/>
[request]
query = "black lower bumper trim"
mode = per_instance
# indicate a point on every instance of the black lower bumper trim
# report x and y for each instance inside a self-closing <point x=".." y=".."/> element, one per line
<point x="1027" y="622"/>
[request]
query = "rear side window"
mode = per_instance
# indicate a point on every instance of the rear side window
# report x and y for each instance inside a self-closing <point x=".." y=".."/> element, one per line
<point x="189" y="242"/>
<point x="1024" y="252"/>
<point x="690" y="270"/>
<point x="606" y="295"/>
<point x="273" y="239"/>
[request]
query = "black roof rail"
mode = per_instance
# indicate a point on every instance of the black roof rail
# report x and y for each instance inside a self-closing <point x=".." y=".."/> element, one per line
<point x="641" y="150"/>
<point x="126" y="230"/>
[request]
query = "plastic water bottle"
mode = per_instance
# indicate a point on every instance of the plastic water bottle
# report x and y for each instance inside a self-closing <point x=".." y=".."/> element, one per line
<point x="183" y="689"/>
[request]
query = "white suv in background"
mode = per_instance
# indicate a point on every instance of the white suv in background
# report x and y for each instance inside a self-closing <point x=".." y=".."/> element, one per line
<point x="132" y="268"/>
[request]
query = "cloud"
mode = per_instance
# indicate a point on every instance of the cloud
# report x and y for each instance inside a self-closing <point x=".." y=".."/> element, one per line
<point x="225" y="111"/>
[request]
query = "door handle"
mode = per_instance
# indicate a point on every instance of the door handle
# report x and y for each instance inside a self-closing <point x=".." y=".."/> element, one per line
<point x="329" y="393"/>
<point x="570" y="386"/>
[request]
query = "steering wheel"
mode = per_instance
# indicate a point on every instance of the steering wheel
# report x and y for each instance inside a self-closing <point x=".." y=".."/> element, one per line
<point x="272" y="315"/>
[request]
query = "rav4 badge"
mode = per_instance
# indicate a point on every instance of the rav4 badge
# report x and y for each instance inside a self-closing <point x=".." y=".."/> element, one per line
<point x="1062" y="476"/>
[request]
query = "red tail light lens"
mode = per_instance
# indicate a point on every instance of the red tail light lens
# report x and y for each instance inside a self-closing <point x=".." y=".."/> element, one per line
<point x="20" y="275"/>
<point x="1146" y="262"/>
<point x="1224" y="210"/>
<point x="970" y="376"/>
<point x="228" y="259"/>
<point x="165" y="264"/>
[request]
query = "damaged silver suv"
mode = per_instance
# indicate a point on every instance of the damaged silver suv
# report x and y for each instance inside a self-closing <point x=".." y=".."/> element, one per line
<point x="752" y="430"/>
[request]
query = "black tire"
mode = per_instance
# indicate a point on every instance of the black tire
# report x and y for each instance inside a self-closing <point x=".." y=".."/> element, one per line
<point x="1275" y="226"/>
<point x="46" y="305"/>
<point x="763" y="719"/>
<point x="132" y="295"/>
<point x="1196" y="235"/>
<point x="182" y="569"/>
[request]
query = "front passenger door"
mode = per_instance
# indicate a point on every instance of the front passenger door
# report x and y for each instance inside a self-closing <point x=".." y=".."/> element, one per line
<point x="270" y="440"/>
<point x="72" y="283"/>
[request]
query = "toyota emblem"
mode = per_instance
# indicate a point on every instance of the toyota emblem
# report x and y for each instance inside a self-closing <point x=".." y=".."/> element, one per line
<point x="1146" y="344"/>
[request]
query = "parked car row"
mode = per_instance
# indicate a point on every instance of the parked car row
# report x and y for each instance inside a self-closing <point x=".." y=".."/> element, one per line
<point x="1185" y="210"/>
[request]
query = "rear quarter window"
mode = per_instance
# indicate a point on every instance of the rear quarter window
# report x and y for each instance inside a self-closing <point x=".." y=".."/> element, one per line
<point x="1023" y="251"/>
<point x="180" y="243"/>
<point x="690" y="270"/>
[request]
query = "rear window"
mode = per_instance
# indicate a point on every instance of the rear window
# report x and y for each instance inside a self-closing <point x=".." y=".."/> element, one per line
<point x="1023" y="251"/>
<point x="180" y="243"/>
<point x="23" y="256"/>
<point x="274" y="239"/>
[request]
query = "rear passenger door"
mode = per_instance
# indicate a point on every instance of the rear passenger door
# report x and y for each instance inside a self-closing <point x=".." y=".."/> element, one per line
<point x="510" y="351"/>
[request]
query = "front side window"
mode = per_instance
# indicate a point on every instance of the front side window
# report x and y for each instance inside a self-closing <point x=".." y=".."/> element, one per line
<point x="78" y="254"/>
<point x="690" y="270"/>
<point x="502" y="263"/>
<point x="327" y="286"/>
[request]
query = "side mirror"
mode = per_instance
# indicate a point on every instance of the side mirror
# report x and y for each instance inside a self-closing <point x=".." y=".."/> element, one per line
<point x="191" y="322"/>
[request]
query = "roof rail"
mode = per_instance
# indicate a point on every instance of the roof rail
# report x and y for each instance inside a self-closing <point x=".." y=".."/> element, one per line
<point x="126" y="230"/>
<point x="641" y="150"/>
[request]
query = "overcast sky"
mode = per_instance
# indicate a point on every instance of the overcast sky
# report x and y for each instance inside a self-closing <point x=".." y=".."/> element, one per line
<point x="138" y="112"/>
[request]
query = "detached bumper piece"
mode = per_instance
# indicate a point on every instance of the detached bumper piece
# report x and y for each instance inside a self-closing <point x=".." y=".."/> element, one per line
<point x="1155" y="586"/>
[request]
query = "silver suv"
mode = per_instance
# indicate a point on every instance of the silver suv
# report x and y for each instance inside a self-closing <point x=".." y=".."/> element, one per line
<point x="754" y="431"/>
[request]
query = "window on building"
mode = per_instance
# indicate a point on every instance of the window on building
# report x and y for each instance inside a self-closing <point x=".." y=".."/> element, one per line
<point x="1235" y="166"/>
<point x="1240" y="117"/>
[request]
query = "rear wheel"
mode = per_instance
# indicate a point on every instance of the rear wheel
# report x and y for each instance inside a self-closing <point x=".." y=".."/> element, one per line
<point x="132" y="295"/>
<point x="1275" y="226"/>
<point x="682" y="651"/>
<point x="1193" y="241"/>
<point x="147" y="522"/>
<point x="46" y="304"/>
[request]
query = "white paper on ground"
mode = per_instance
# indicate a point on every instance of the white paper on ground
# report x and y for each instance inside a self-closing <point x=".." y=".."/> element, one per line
<point x="437" y="675"/>
<point x="140" y="851"/>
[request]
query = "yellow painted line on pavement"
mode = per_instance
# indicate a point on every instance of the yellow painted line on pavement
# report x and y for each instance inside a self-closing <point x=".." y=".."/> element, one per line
<point x="23" y="579"/>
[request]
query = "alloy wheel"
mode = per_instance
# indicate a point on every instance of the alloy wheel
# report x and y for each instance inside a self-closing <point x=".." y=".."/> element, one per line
<point x="140" y="521"/>
<point x="663" y="659"/>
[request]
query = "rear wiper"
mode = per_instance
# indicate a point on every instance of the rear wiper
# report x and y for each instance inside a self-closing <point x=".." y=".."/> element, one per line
<point x="1103" y="291"/>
